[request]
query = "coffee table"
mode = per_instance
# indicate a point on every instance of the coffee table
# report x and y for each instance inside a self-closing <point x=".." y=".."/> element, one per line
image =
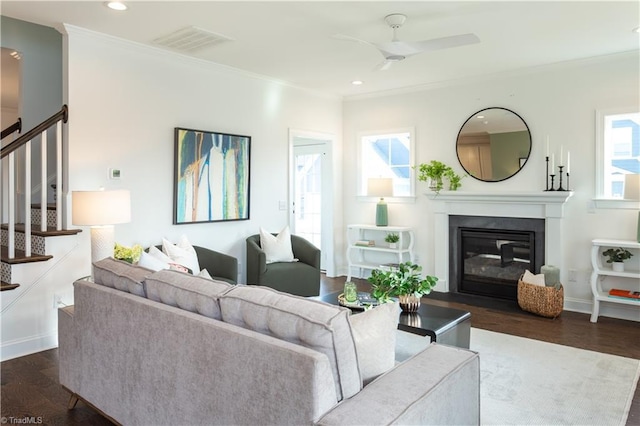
<point x="443" y="325"/>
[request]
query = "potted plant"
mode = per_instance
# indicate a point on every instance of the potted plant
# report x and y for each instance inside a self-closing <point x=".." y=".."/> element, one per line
<point x="617" y="257"/>
<point x="404" y="282"/>
<point x="392" y="238"/>
<point x="434" y="172"/>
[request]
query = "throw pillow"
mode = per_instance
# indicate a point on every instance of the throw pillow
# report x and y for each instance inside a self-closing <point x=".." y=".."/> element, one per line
<point x="374" y="333"/>
<point x="205" y="274"/>
<point x="182" y="253"/>
<point x="277" y="248"/>
<point x="152" y="262"/>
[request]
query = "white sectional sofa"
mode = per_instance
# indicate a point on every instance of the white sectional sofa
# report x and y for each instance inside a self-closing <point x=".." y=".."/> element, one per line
<point x="166" y="347"/>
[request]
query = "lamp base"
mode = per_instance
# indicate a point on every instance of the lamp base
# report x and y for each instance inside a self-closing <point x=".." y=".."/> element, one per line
<point x="382" y="216"/>
<point x="102" y="242"/>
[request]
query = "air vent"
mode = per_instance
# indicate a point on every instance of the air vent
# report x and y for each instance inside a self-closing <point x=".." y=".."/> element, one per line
<point x="190" y="39"/>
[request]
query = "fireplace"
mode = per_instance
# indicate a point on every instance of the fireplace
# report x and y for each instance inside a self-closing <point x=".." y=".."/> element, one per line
<point x="489" y="254"/>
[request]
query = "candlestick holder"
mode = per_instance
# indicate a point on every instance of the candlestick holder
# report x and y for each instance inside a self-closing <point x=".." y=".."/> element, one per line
<point x="560" y="188"/>
<point x="546" y="175"/>
<point x="552" y="177"/>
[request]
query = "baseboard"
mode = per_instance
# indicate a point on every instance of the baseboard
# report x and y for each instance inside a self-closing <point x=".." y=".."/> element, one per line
<point x="28" y="346"/>
<point x="618" y="311"/>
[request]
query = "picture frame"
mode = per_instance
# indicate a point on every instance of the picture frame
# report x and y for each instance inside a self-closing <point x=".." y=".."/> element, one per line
<point x="211" y="176"/>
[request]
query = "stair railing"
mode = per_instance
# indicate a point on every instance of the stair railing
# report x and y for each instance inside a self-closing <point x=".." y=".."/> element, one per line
<point x="24" y="142"/>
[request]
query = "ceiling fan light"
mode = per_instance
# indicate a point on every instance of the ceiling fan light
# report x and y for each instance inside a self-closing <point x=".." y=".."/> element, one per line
<point x="357" y="82"/>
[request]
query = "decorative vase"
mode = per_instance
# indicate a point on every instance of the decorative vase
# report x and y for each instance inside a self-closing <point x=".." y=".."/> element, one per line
<point x="393" y="245"/>
<point x="409" y="302"/>
<point x="617" y="266"/>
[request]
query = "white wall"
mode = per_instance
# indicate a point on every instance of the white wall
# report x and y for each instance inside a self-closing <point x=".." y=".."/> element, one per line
<point x="125" y="100"/>
<point x="559" y="101"/>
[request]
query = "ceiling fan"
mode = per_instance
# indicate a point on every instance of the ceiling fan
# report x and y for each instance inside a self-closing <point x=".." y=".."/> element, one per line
<point x="396" y="50"/>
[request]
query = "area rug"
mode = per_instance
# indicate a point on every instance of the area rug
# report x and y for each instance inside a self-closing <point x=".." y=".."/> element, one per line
<point x="530" y="382"/>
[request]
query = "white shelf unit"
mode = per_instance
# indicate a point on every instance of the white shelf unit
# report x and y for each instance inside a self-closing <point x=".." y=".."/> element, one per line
<point x="600" y="272"/>
<point x="357" y="255"/>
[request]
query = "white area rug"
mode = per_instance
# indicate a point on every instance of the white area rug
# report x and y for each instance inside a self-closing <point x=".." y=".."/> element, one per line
<point x="530" y="382"/>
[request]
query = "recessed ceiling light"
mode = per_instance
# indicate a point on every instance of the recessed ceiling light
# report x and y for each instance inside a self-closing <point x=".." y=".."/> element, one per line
<point x="116" y="5"/>
<point x="357" y="82"/>
<point x="480" y="116"/>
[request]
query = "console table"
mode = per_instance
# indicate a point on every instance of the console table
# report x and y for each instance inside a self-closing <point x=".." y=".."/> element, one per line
<point x="356" y="254"/>
<point x="601" y="271"/>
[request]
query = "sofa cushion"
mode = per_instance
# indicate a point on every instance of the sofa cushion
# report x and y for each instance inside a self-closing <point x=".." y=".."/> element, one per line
<point x="374" y="332"/>
<point x="121" y="275"/>
<point x="185" y="291"/>
<point x="310" y="323"/>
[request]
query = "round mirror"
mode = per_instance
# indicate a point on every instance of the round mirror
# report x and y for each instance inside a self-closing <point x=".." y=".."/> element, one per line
<point x="493" y="144"/>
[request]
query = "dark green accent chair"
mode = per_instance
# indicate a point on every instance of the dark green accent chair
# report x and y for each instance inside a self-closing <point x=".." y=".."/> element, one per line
<point x="301" y="278"/>
<point x="220" y="266"/>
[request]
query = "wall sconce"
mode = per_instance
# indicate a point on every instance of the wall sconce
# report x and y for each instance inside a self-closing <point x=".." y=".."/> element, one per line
<point x="101" y="210"/>
<point x="380" y="187"/>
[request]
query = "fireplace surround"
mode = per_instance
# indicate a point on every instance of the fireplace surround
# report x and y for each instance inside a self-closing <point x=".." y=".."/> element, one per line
<point x="487" y="254"/>
<point x="546" y="205"/>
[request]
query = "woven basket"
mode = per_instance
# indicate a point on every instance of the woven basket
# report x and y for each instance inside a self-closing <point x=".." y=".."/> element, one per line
<point x="544" y="301"/>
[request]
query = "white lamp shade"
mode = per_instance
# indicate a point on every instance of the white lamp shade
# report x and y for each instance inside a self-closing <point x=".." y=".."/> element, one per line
<point x="96" y="208"/>
<point x="632" y="187"/>
<point x="380" y="187"/>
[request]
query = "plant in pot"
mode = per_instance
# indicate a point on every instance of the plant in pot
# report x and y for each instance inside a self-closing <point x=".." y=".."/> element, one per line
<point x="617" y="256"/>
<point x="403" y="282"/>
<point x="434" y="172"/>
<point x="392" y="238"/>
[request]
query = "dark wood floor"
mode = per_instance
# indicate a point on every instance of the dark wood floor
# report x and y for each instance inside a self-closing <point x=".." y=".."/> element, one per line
<point x="30" y="387"/>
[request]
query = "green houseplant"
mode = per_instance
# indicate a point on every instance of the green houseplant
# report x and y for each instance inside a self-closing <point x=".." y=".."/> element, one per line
<point x="392" y="238"/>
<point x="435" y="171"/>
<point x="403" y="281"/>
<point x="616" y="256"/>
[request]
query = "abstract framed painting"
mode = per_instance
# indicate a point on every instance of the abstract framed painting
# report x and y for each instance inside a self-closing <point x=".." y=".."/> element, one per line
<point x="211" y="176"/>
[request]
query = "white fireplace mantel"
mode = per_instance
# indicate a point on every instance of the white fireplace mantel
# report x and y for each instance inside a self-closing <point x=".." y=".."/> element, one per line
<point x="548" y="205"/>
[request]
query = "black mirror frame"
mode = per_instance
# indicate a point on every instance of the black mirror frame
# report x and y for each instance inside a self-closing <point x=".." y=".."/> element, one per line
<point x="526" y="159"/>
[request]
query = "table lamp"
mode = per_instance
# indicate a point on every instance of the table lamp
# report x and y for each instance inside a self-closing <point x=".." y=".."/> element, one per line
<point x="632" y="192"/>
<point x="380" y="187"/>
<point x="101" y="210"/>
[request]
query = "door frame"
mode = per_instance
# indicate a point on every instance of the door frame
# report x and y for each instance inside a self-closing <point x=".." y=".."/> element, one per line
<point x="328" y="141"/>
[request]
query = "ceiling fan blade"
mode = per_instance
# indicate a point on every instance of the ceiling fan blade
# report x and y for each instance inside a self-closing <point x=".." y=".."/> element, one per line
<point x="349" y="38"/>
<point x="444" y="42"/>
<point x="384" y="65"/>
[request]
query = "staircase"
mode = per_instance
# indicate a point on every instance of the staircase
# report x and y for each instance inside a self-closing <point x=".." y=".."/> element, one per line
<point x="40" y="259"/>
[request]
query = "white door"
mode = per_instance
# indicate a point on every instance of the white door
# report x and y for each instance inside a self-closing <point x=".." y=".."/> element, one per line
<point x="311" y="202"/>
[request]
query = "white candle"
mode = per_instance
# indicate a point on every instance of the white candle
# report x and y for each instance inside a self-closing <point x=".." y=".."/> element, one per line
<point x="568" y="162"/>
<point x="547" y="145"/>
<point x="553" y="158"/>
<point x="561" y="149"/>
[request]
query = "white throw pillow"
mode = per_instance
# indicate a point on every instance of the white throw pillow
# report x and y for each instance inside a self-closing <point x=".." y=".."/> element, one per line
<point x="182" y="253"/>
<point x="152" y="262"/>
<point x="277" y="248"/>
<point x="374" y="333"/>
<point x="205" y="274"/>
<point x="530" y="278"/>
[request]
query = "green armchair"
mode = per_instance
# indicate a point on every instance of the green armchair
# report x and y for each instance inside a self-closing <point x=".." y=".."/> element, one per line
<point x="220" y="266"/>
<point x="301" y="278"/>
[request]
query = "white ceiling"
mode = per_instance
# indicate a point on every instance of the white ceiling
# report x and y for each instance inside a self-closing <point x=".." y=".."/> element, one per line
<point x="292" y="41"/>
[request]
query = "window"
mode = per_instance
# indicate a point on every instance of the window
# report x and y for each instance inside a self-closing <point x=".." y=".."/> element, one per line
<point x="387" y="154"/>
<point x="618" y="150"/>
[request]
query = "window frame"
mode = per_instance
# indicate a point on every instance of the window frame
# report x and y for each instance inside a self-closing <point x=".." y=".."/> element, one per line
<point x="600" y="201"/>
<point x="361" y="195"/>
